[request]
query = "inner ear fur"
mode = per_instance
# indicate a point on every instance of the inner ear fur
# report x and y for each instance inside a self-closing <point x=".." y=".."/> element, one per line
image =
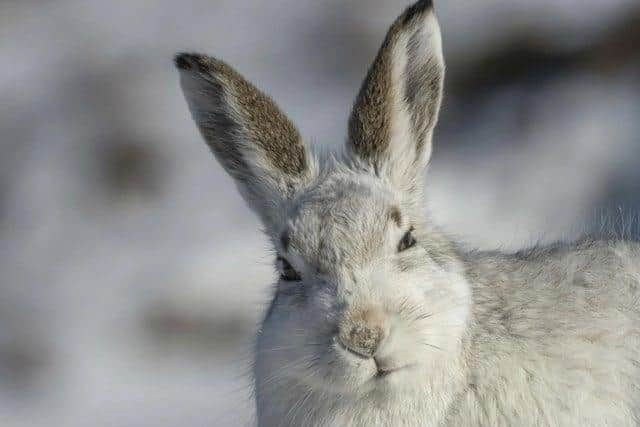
<point x="396" y="110"/>
<point x="249" y="135"/>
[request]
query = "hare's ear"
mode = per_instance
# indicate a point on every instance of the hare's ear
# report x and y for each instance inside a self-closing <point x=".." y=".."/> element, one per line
<point x="252" y="139"/>
<point x="392" y="121"/>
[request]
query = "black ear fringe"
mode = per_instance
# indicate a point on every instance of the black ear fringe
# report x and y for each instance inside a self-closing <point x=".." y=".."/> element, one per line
<point x="418" y="8"/>
<point x="181" y="61"/>
<point x="189" y="61"/>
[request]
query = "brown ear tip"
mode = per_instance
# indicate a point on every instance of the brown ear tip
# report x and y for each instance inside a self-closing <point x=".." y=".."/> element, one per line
<point x="417" y="9"/>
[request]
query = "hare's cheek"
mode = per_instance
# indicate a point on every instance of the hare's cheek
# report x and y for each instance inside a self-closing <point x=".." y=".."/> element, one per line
<point x="343" y="372"/>
<point x="412" y="260"/>
<point x="292" y="293"/>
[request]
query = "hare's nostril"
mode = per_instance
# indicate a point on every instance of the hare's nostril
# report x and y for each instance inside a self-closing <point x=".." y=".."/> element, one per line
<point x="361" y="339"/>
<point x="350" y="350"/>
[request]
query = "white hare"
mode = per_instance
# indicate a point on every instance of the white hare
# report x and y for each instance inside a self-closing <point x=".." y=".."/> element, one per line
<point x="378" y="319"/>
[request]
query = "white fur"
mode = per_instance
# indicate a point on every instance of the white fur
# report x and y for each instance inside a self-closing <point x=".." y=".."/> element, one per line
<point x="546" y="337"/>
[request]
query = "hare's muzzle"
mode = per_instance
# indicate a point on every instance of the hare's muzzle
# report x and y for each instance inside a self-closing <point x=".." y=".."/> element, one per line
<point x="361" y="332"/>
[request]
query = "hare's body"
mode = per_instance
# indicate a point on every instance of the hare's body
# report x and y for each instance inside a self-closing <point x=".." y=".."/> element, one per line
<point x="378" y="319"/>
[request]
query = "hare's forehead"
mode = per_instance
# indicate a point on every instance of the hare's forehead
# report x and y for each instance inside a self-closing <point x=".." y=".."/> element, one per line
<point x="343" y="207"/>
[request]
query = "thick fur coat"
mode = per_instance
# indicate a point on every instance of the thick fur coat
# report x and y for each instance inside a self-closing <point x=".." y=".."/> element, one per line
<point x="379" y="319"/>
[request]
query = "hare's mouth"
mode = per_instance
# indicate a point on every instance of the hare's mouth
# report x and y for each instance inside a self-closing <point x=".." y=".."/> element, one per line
<point x="382" y="368"/>
<point x="384" y="372"/>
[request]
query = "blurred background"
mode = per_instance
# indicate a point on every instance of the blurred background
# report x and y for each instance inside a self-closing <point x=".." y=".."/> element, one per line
<point x="131" y="274"/>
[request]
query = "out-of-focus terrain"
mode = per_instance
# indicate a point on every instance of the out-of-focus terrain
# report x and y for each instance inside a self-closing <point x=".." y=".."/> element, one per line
<point x="132" y="275"/>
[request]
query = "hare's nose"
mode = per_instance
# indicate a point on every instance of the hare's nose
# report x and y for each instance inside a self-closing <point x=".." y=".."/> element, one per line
<point x="362" y="334"/>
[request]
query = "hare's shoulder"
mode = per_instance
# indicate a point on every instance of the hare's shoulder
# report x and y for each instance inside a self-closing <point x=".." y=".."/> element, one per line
<point x="591" y="276"/>
<point x="591" y="264"/>
<point x="582" y="264"/>
<point x="543" y="293"/>
<point x="602" y="267"/>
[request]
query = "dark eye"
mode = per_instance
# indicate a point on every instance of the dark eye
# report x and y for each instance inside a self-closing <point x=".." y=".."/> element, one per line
<point x="407" y="241"/>
<point x="287" y="272"/>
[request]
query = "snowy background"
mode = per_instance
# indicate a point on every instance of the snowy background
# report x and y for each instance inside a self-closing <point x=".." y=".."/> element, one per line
<point x="132" y="275"/>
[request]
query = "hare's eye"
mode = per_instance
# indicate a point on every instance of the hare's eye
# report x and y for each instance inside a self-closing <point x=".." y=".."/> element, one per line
<point x="287" y="272"/>
<point x="407" y="241"/>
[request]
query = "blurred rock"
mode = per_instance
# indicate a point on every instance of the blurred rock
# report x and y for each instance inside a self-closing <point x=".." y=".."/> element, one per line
<point x="172" y="327"/>
<point x="129" y="167"/>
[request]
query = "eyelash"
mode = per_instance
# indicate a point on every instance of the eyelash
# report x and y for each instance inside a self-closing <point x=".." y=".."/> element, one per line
<point x="287" y="272"/>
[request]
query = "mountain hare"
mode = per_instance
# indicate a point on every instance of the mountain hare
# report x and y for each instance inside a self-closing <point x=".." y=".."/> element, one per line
<point x="379" y="319"/>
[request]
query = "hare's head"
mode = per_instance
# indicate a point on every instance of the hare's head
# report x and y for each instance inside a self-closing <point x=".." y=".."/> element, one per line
<point x="369" y="296"/>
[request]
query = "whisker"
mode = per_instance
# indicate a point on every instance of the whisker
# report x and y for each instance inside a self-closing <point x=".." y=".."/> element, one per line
<point x="291" y="347"/>
<point x="432" y="345"/>
<point x="307" y="362"/>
